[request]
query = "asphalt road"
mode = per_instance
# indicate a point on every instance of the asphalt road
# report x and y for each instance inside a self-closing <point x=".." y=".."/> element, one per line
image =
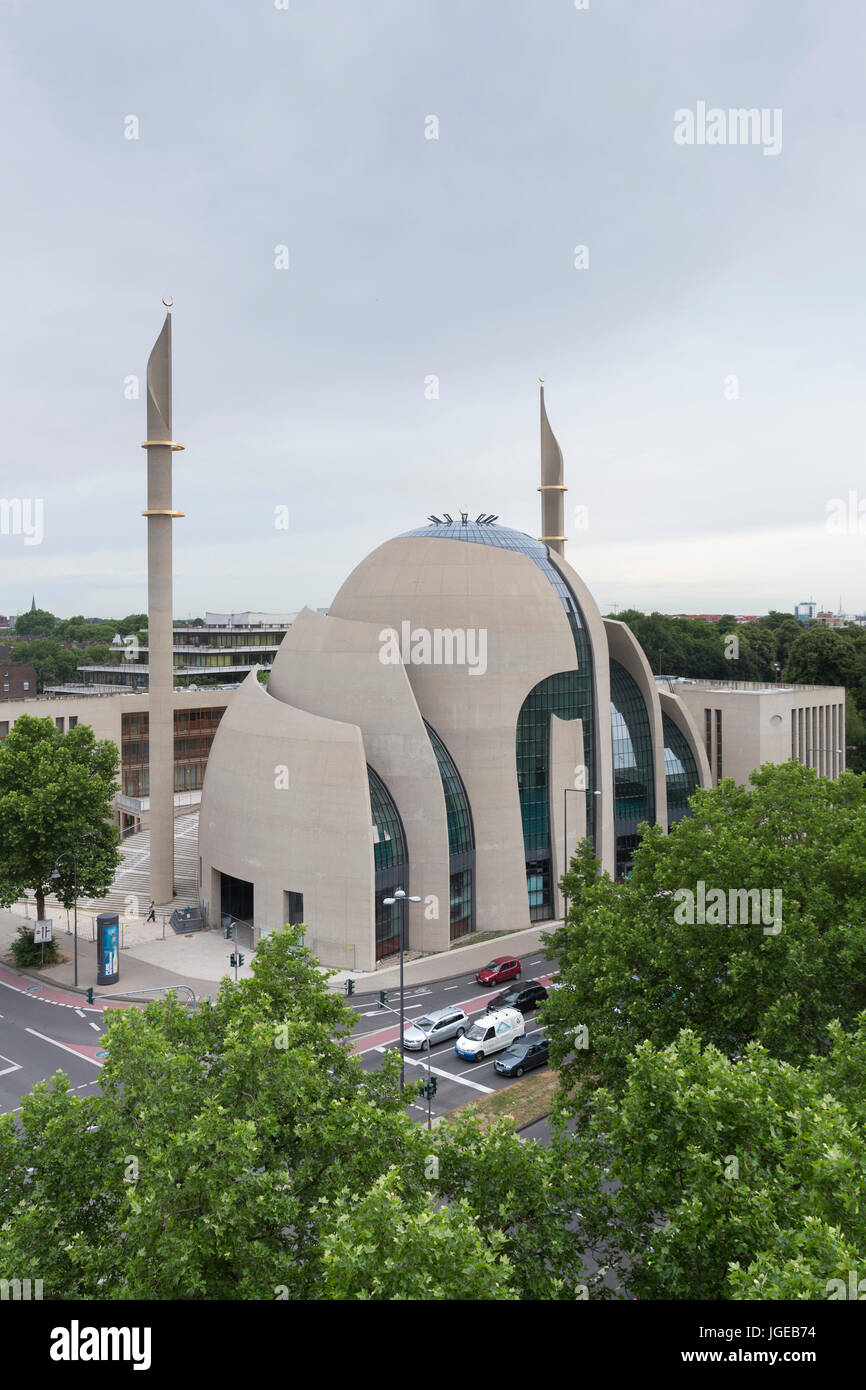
<point x="459" y="1081"/>
<point x="42" y="1031"/>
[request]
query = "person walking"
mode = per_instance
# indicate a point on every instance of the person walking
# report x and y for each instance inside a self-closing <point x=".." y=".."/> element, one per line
<point x="151" y="912"/>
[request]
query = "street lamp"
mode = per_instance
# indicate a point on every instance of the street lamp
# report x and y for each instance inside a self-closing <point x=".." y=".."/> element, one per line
<point x="565" y="792"/>
<point x="55" y="873"/>
<point x="400" y="897"/>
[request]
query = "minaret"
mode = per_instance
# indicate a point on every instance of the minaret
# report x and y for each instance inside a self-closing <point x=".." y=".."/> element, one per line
<point x="552" y="487"/>
<point x="160" y="636"/>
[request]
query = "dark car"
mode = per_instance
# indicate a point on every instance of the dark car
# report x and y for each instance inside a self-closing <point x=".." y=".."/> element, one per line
<point x="523" y="1056"/>
<point x="522" y="997"/>
<point x="497" y="971"/>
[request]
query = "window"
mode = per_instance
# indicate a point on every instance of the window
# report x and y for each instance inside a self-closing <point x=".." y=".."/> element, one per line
<point x="681" y="770"/>
<point x="27" y="687"/>
<point x="708" y="734"/>
<point x="4" y="728"/>
<point x="633" y="766"/>
<point x="5" y="685"/>
<point x="718" y="745"/>
<point x="59" y="722"/>
<point x="294" y="908"/>
<point x="73" y="718"/>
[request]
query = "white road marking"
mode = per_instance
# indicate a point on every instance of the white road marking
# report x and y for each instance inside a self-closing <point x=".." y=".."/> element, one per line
<point x="80" y="1013"/>
<point x="447" y="987"/>
<point x="13" y="1066"/>
<point x="449" y="1076"/>
<point x="96" y="1026"/>
<point x="55" y="1043"/>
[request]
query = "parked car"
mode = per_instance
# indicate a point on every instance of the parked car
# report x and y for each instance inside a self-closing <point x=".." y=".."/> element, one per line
<point x="523" y="1056"/>
<point x="522" y="997"/>
<point x="491" y="1033"/>
<point x="435" y="1027"/>
<point x="497" y="971"/>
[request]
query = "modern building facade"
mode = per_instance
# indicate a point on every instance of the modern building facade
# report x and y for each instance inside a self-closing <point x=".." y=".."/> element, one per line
<point x="461" y="717"/>
<point x="744" y="724"/>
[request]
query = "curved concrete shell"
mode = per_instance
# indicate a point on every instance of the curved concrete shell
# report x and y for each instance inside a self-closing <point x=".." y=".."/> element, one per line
<point x="285" y="808"/>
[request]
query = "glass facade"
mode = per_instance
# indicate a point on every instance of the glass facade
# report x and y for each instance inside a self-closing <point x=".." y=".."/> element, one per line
<point x="461" y="840"/>
<point x="194" y="731"/>
<point x="681" y="771"/>
<point x="391" y="864"/>
<point x="633" y="780"/>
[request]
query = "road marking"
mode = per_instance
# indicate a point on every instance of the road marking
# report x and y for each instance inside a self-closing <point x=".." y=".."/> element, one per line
<point x="80" y="1013"/>
<point x="447" y="987"/>
<point x="55" y="1043"/>
<point x="449" y="1076"/>
<point x="96" y="1026"/>
<point x="13" y="1066"/>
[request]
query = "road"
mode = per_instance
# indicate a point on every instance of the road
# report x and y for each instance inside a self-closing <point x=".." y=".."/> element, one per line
<point x="459" y="1081"/>
<point x="44" y="1030"/>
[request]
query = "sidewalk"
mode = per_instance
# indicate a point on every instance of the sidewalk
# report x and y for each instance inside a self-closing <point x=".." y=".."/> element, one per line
<point x="463" y="960"/>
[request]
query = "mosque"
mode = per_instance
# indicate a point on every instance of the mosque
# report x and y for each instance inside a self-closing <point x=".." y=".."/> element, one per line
<point x="456" y="723"/>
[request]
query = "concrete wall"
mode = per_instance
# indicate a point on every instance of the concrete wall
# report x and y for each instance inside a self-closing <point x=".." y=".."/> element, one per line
<point x="286" y="807"/>
<point x="332" y="667"/>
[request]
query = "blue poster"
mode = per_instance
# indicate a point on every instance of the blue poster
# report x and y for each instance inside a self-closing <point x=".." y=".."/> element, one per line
<point x="107" y="948"/>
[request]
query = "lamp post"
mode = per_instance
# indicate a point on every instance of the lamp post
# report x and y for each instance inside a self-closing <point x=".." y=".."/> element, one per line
<point x="400" y="897"/>
<point x="55" y="873"/>
<point x="565" y="792"/>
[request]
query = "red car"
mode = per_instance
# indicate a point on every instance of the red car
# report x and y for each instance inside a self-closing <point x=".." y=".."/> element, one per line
<point x="499" y="970"/>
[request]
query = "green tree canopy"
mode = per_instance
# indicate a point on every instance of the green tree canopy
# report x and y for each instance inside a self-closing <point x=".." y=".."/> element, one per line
<point x="729" y="1179"/>
<point x="634" y="967"/>
<point x="37" y="623"/>
<point x="56" y="795"/>
<point x="269" y="1164"/>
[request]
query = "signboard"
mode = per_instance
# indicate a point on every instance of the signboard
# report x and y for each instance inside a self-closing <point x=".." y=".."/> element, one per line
<point x="43" y="933"/>
<point x="107" y="948"/>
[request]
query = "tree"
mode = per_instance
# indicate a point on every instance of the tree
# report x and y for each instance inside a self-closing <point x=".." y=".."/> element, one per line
<point x="242" y="1152"/>
<point x="37" y="623"/>
<point x="56" y="794"/>
<point x="822" y="656"/>
<point x="728" y="1179"/>
<point x="643" y="959"/>
<point x="53" y="664"/>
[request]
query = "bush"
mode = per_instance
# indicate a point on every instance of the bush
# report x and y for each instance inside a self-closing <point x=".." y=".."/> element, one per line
<point x="25" y="951"/>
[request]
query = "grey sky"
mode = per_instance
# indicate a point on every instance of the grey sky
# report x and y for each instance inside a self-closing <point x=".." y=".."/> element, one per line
<point x="410" y="257"/>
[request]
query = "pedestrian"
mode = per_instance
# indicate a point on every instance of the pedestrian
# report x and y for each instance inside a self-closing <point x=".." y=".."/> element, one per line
<point x="151" y="912"/>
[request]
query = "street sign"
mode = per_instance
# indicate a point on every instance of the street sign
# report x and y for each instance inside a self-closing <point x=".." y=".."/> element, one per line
<point x="42" y="933"/>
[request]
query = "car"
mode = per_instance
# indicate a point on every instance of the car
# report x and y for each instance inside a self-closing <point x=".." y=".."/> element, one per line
<point x="497" y="971"/>
<point x="522" y="997"/>
<point x="491" y="1033"/>
<point x="435" y="1027"/>
<point x="523" y="1056"/>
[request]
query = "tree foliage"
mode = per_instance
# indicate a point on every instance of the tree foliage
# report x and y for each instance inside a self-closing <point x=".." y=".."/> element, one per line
<point x="241" y="1151"/>
<point x="634" y="968"/>
<point x="56" y="795"/>
<point x="729" y="1179"/>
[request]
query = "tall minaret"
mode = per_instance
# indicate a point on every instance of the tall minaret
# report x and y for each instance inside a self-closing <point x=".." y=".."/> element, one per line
<point x="552" y="487"/>
<point x="160" y="636"/>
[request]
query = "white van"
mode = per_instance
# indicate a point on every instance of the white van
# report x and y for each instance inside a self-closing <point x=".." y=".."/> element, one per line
<point x="491" y="1033"/>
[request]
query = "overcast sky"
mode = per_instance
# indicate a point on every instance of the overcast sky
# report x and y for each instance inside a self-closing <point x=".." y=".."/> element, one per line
<point x="704" y="372"/>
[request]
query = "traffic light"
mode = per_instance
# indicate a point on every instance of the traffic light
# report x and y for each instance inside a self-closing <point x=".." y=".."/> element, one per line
<point x="383" y="998"/>
<point x="240" y="957"/>
<point x="429" y="1087"/>
<point x="233" y="959"/>
<point x="228" y="932"/>
<point x="350" y="988"/>
<point x="89" y="993"/>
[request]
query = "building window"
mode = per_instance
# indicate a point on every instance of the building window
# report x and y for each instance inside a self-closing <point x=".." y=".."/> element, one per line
<point x="681" y="771"/>
<point x="59" y="722"/>
<point x="294" y="908"/>
<point x="27" y="687"/>
<point x="708" y="734"/>
<point x="391" y="863"/>
<point x="461" y="840"/>
<point x="73" y="718"/>
<point x="5" y="685"/>
<point x="4" y="728"/>
<point x="633" y="766"/>
<point x="718" y="745"/>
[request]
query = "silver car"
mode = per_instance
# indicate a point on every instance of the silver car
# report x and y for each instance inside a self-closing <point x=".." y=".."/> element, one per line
<point x="435" y="1027"/>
